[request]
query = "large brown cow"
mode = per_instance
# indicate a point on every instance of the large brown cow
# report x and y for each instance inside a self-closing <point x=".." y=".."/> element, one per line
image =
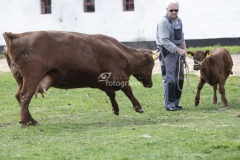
<point x="215" y="68"/>
<point x="43" y="59"/>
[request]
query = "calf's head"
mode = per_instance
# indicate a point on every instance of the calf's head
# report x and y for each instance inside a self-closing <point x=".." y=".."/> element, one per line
<point x="199" y="57"/>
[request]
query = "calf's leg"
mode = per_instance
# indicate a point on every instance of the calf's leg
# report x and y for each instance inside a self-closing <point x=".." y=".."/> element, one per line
<point x="111" y="96"/>
<point x="223" y="94"/>
<point x="200" y="86"/>
<point x="128" y="92"/>
<point x="214" y="94"/>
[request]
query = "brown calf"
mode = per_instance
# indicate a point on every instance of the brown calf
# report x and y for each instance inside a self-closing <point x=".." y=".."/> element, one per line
<point x="215" y="67"/>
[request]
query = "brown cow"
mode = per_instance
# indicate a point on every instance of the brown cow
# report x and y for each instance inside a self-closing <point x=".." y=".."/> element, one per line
<point x="65" y="60"/>
<point x="215" y="68"/>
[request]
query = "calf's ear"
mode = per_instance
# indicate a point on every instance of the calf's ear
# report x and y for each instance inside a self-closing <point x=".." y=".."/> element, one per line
<point x="207" y="53"/>
<point x="190" y="54"/>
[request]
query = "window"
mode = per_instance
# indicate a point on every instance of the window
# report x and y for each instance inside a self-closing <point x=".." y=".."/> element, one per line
<point x="46" y="6"/>
<point x="128" y="5"/>
<point x="89" y="5"/>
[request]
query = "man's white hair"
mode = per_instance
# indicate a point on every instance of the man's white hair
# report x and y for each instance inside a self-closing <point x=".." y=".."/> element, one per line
<point x="172" y="1"/>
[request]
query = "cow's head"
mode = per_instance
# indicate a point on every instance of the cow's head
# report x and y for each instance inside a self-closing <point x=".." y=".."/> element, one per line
<point x="199" y="57"/>
<point x="144" y="72"/>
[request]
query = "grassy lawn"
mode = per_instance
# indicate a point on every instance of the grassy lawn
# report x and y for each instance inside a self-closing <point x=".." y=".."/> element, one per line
<point x="79" y="124"/>
<point x="231" y="49"/>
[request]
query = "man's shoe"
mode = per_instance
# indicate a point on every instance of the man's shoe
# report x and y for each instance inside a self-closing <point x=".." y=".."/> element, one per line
<point x="172" y="109"/>
<point x="179" y="107"/>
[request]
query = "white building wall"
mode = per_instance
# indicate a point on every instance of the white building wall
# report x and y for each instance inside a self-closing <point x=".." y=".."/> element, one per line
<point x="201" y="18"/>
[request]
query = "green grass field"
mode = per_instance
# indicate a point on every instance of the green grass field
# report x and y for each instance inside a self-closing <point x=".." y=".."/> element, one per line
<point x="79" y="124"/>
<point x="231" y="49"/>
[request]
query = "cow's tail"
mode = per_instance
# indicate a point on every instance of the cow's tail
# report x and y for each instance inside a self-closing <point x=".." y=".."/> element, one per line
<point x="13" y="67"/>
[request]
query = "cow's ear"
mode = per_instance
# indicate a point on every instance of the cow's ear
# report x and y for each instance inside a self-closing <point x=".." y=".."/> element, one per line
<point x="207" y="53"/>
<point x="190" y="54"/>
<point x="155" y="55"/>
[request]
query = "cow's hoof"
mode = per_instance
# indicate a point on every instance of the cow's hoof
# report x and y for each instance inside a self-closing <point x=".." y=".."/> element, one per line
<point x="196" y="103"/>
<point x="139" y="110"/>
<point x="116" y="113"/>
<point x="25" y="123"/>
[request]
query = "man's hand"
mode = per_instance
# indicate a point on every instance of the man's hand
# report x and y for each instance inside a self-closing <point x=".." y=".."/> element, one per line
<point x="180" y="51"/>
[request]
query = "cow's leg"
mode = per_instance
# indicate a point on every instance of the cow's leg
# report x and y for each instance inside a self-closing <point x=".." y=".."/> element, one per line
<point x="111" y="96"/>
<point x="223" y="94"/>
<point x="214" y="94"/>
<point x="25" y="116"/>
<point x="200" y="86"/>
<point x="18" y="79"/>
<point x="24" y="97"/>
<point x="20" y="84"/>
<point x="128" y="92"/>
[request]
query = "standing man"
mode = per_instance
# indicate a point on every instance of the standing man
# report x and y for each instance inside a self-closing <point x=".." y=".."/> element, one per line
<point x="170" y="42"/>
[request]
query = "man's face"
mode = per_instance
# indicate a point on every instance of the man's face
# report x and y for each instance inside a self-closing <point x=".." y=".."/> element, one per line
<point x="172" y="10"/>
